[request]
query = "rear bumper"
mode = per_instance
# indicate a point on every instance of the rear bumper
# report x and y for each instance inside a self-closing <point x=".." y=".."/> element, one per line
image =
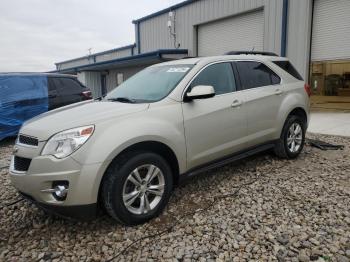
<point x="79" y="212"/>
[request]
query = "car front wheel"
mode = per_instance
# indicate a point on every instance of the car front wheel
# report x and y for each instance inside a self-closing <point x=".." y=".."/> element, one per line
<point x="137" y="187"/>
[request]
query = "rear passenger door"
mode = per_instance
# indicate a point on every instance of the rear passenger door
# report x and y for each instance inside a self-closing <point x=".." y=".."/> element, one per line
<point x="263" y="98"/>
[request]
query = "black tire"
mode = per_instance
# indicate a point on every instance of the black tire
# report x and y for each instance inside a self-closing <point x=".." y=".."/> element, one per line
<point x="115" y="178"/>
<point x="281" y="149"/>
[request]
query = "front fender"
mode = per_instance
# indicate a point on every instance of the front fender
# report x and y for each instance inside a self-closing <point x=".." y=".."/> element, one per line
<point x="112" y="137"/>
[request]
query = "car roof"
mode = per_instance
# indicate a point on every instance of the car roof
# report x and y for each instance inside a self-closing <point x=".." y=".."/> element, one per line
<point x="36" y="74"/>
<point x="210" y="59"/>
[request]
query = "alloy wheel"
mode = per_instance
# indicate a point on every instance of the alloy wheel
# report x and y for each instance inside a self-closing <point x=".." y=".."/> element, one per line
<point x="143" y="189"/>
<point x="294" y="137"/>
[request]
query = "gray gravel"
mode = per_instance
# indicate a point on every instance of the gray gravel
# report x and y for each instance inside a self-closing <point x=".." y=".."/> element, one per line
<point x="294" y="211"/>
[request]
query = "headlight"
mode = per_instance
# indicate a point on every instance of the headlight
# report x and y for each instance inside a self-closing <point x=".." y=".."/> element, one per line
<point x="65" y="143"/>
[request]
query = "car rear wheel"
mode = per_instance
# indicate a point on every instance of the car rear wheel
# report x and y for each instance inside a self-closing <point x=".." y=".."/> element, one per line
<point x="292" y="138"/>
<point x="137" y="187"/>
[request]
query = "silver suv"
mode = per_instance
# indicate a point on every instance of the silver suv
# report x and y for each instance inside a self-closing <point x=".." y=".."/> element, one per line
<point x="126" y="152"/>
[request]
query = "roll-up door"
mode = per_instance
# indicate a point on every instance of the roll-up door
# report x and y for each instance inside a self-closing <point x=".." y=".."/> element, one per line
<point x="331" y="30"/>
<point x="244" y="32"/>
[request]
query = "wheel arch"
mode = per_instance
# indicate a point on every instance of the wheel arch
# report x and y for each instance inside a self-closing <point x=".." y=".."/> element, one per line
<point x="149" y="146"/>
<point x="157" y="148"/>
<point x="299" y="111"/>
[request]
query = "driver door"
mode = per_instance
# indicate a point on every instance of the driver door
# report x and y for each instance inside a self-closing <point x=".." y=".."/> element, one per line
<point x="215" y="127"/>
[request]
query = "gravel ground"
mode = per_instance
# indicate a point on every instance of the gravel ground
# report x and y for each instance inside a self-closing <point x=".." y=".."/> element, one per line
<point x="262" y="209"/>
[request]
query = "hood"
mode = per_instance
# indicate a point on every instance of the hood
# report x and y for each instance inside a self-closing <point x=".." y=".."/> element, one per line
<point x="75" y="115"/>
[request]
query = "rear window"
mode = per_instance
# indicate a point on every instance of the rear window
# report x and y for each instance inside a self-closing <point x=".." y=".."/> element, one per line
<point x="67" y="86"/>
<point x="289" y="68"/>
<point x="255" y="74"/>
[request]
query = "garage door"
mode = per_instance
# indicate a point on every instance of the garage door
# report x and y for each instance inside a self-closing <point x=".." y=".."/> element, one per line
<point x="244" y="32"/>
<point x="331" y="30"/>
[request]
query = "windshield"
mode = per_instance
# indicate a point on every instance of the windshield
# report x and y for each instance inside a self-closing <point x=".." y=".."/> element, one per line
<point x="150" y="85"/>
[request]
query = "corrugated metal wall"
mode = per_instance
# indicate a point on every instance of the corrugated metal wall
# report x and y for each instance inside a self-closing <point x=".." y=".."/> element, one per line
<point x="74" y="63"/>
<point x="154" y="33"/>
<point x="238" y="33"/>
<point x="113" y="55"/>
<point x="127" y="72"/>
<point x="98" y="57"/>
<point x="93" y="81"/>
<point x="298" y="34"/>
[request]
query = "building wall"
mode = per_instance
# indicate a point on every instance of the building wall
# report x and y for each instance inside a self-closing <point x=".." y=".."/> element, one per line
<point x="113" y="74"/>
<point x="75" y="62"/>
<point x="113" y="55"/>
<point x="154" y="33"/>
<point x="97" y="57"/>
<point x="92" y="80"/>
<point x="298" y="34"/>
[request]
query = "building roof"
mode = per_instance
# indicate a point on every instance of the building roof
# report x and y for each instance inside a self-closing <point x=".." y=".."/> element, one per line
<point x="134" y="60"/>
<point x="99" y="53"/>
<point x="35" y="74"/>
<point x="166" y="10"/>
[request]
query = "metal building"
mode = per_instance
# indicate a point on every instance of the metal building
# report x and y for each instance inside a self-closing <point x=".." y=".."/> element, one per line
<point x="313" y="34"/>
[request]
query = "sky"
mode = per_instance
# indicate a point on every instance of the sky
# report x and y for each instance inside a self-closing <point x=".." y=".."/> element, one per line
<point x="34" y="34"/>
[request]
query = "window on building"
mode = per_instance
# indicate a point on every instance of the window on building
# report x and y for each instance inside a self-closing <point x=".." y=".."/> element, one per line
<point x="255" y="74"/>
<point x="220" y="76"/>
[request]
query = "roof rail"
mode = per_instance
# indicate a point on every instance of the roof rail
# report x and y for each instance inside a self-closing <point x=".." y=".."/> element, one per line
<point x="251" y="53"/>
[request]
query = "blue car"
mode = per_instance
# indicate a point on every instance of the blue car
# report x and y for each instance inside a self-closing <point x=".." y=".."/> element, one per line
<point x="25" y="95"/>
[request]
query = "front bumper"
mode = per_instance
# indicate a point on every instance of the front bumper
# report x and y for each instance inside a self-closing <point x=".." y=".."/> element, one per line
<point x="80" y="212"/>
<point x="44" y="171"/>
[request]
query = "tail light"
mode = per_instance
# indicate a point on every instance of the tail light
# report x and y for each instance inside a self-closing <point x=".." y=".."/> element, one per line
<point x="307" y="89"/>
<point x="86" y="95"/>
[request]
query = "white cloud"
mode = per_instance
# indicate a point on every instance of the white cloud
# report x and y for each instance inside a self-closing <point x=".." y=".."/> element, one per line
<point x="37" y="33"/>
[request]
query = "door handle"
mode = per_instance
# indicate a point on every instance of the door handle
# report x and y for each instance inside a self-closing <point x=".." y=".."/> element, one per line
<point x="278" y="92"/>
<point x="236" y="103"/>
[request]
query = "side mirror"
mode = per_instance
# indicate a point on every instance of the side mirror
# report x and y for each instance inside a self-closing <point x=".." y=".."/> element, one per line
<point x="200" y="92"/>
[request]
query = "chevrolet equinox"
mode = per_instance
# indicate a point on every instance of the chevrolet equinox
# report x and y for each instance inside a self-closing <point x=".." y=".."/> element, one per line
<point x="127" y="150"/>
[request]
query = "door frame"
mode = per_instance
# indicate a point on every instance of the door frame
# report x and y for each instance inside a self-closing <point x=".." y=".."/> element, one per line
<point x="103" y="84"/>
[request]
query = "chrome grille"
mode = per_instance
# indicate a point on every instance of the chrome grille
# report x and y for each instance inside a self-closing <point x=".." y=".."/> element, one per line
<point x="28" y="140"/>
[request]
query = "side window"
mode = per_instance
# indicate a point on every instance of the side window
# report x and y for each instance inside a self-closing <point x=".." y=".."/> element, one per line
<point x="68" y="86"/>
<point x="288" y="67"/>
<point x="220" y="76"/>
<point x="51" y="85"/>
<point x="255" y="74"/>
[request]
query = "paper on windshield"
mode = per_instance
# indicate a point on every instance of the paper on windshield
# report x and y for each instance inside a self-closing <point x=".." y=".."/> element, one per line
<point x="178" y="70"/>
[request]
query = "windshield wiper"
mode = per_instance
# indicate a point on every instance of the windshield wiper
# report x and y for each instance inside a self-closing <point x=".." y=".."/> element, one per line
<point x="122" y="100"/>
<point x="99" y="98"/>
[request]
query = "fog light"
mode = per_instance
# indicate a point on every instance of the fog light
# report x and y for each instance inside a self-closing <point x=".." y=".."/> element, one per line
<point x="59" y="190"/>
